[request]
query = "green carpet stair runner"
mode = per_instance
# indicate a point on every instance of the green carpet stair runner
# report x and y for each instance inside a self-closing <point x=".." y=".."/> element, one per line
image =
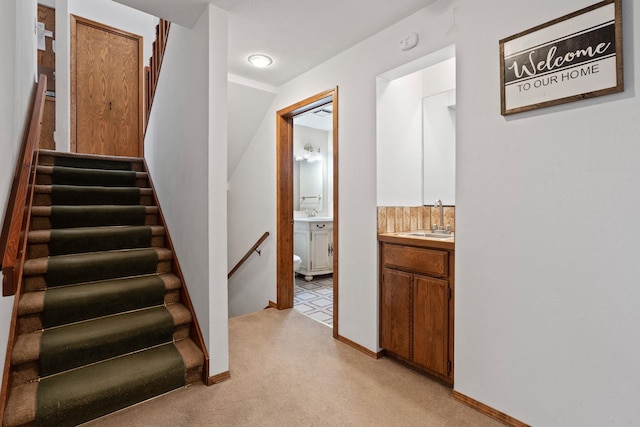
<point x="54" y="217"/>
<point x="100" y="321"/>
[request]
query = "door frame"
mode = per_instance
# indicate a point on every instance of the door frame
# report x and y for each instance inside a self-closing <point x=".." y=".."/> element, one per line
<point x="73" y="110"/>
<point x="284" y="197"/>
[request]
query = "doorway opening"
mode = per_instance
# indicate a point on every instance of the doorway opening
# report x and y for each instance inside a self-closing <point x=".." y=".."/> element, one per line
<point x="307" y="194"/>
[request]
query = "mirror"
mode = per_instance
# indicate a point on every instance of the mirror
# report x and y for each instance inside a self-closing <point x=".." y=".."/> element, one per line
<point x="313" y="168"/>
<point x="309" y="185"/>
<point x="411" y="170"/>
<point x="439" y="147"/>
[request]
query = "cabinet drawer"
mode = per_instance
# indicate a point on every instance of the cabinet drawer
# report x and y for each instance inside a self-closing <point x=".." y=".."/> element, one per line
<point x="419" y="260"/>
<point x="320" y="226"/>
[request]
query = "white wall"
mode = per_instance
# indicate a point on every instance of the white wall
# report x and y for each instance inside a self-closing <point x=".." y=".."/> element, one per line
<point x="106" y="12"/>
<point x="17" y="77"/>
<point x="251" y="212"/>
<point x="217" y="177"/>
<point x="546" y="324"/>
<point x="186" y="153"/>
<point x="546" y="294"/>
<point x="247" y="104"/>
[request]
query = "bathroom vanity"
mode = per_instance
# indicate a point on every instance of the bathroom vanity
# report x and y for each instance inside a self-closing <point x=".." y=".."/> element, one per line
<point x="313" y="243"/>
<point x="417" y="300"/>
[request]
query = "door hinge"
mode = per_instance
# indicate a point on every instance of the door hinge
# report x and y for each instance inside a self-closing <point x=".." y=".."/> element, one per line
<point x="449" y="293"/>
<point x="448" y="367"/>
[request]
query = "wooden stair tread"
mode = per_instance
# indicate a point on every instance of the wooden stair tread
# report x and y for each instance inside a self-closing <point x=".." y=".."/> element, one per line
<point x="47" y="189"/>
<point x="33" y="302"/>
<point x="54" y="154"/>
<point x="43" y="236"/>
<point x="27" y="346"/>
<point x="39" y="265"/>
<point x="48" y="170"/>
<point x="46" y="210"/>
<point x="21" y="406"/>
<point x="191" y="354"/>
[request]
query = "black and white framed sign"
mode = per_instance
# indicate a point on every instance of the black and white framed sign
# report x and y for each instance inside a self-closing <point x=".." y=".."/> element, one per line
<point x="573" y="57"/>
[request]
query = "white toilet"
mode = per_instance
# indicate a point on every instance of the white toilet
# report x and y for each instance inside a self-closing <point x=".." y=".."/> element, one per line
<point x="297" y="262"/>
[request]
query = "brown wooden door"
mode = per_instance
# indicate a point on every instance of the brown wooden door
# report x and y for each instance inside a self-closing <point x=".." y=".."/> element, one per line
<point x="106" y="90"/>
<point x="431" y="324"/>
<point x="396" y="312"/>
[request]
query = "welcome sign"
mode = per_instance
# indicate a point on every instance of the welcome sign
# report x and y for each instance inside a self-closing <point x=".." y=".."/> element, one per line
<point x="573" y="57"/>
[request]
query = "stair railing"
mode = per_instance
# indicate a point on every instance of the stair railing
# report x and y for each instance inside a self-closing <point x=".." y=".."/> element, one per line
<point x="248" y="254"/>
<point x="152" y="72"/>
<point x="13" y="238"/>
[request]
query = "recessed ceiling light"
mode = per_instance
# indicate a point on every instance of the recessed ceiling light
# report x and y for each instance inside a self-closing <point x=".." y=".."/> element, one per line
<point x="260" y="61"/>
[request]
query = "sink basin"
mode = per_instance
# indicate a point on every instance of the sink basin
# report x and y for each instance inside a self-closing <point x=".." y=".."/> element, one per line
<point x="427" y="234"/>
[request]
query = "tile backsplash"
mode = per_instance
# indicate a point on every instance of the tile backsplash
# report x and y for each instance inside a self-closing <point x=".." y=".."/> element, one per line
<point x="392" y="219"/>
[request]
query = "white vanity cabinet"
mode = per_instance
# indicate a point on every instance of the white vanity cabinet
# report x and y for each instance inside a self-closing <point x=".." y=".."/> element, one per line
<point x="313" y="243"/>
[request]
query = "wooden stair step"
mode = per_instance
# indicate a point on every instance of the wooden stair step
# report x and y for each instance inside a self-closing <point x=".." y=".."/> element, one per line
<point x="91" y="267"/>
<point x="47" y="189"/>
<point x="81" y="239"/>
<point x="80" y="302"/>
<point x="193" y="359"/>
<point x="53" y="158"/>
<point x="45" y="175"/>
<point x="108" y="216"/>
<point x="91" y="196"/>
<point x="40" y="265"/>
<point x="43" y="236"/>
<point x="33" y="302"/>
<point x="87" y="393"/>
<point x="103" y="339"/>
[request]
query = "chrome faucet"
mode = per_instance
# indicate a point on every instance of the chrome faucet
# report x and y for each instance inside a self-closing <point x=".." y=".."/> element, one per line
<point x="441" y="229"/>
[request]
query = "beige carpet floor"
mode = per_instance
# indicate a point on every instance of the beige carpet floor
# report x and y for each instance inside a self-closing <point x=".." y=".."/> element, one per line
<point x="287" y="370"/>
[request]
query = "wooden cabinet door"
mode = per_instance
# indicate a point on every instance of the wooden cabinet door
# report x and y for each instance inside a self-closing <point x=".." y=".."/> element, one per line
<point x="396" y="312"/>
<point x="431" y="324"/>
<point x="106" y="90"/>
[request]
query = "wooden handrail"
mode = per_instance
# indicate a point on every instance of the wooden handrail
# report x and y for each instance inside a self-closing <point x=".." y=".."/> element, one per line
<point x="152" y="72"/>
<point x="13" y="233"/>
<point x="248" y="254"/>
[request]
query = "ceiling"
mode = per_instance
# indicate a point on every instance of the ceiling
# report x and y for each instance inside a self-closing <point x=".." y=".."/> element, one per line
<point x="297" y="34"/>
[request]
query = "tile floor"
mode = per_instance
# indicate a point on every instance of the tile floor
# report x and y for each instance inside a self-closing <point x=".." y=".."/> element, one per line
<point x="315" y="298"/>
